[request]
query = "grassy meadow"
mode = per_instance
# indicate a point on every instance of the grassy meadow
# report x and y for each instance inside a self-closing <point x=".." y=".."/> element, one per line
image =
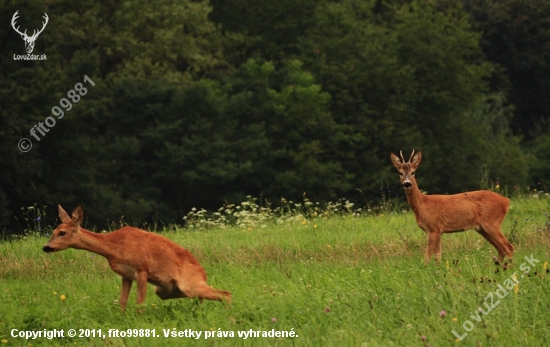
<point x="332" y="276"/>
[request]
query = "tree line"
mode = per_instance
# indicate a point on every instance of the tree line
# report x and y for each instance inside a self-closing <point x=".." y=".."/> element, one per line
<point x="198" y="103"/>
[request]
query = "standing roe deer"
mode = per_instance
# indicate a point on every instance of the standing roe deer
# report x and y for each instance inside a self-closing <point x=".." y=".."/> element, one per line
<point x="138" y="255"/>
<point x="480" y="210"/>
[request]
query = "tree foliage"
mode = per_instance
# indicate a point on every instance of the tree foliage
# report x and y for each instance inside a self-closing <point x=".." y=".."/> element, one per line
<point x="197" y="103"/>
<point x="516" y="36"/>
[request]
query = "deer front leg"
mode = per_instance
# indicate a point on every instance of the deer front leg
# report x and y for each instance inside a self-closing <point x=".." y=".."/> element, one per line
<point x="437" y="248"/>
<point x="434" y="247"/>
<point x="126" y="286"/>
<point x="142" y="286"/>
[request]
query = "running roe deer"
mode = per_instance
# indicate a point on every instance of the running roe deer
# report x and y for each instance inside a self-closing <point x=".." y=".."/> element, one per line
<point x="138" y="255"/>
<point x="480" y="210"/>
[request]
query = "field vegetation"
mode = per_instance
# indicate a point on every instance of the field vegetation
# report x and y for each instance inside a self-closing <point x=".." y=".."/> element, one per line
<point x="332" y="274"/>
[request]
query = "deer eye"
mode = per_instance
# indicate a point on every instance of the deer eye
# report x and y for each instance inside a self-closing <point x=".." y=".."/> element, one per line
<point x="412" y="173"/>
<point x="62" y="233"/>
<point x="400" y="174"/>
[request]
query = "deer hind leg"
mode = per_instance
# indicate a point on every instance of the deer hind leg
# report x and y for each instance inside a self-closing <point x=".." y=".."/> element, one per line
<point x="499" y="241"/>
<point x="195" y="286"/>
<point x="204" y="291"/>
<point x="201" y="290"/>
<point x="492" y="242"/>
<point x="503" y="242"/>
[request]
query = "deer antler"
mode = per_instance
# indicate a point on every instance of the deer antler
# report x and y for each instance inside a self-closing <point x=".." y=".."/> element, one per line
<point x="34" y="33"/>
<point x="43" y="25"/>
<point x="401" y="153"/>
<point x="411" y="156"/>
<point x="13" y="20"/>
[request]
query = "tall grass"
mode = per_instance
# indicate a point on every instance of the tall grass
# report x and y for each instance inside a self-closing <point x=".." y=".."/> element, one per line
<point x="336" y="276"/>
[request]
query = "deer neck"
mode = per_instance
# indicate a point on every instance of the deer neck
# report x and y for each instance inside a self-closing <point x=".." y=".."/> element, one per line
<point x="414" y="197"/>
<point x="96" y="243"/>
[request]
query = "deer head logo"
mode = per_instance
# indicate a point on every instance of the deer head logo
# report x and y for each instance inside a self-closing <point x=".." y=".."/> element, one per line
<point x="29" y="40"/>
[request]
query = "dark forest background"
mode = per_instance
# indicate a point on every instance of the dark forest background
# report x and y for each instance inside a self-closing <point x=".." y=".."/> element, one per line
<point x="198" y="103"/>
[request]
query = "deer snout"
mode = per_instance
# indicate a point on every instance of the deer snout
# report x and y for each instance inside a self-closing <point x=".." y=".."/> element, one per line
<point x="48" y="249"/>
<point x="407" y="184"/>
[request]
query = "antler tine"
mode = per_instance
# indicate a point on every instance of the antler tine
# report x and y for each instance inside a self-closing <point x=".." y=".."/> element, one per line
<point x="402" y="159"/>
<point x="13" y="20"/>
<point x="46" y="18"/>
<point x="43" y="25"/>
<point x="411" y="156"/>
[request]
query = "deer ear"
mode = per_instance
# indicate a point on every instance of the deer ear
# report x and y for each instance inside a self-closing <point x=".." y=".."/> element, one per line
<point x="416" y="159"/>
<point x="78" y="215"/>
<point x="63" y="215"/>
<point x="396" y="161"/>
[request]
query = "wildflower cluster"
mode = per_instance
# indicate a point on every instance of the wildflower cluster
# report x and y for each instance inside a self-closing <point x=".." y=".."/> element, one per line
<point x="540" y="191"/>
<point x="252" y="213"/>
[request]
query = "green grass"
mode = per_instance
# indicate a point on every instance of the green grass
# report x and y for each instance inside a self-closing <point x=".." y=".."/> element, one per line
<point x="334" y="280"/>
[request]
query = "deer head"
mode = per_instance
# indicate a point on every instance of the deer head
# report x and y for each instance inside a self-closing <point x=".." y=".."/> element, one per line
<point x="67" y="233"/>
<point x="407" y="169"/>
<point x="29" y="40"/>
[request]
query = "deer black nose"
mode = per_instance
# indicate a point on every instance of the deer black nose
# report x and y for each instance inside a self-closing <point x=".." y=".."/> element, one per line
<point x="407" y="184"/>
<point x="47" y="249"/>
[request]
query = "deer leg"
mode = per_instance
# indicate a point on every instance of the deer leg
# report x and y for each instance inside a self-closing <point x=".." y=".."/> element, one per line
<point x="195" y="286"/>
<point x="142" y="286"/>
<point x="508" y="245"/>
<point x="499" y="241"/>
<point x="510" y="250"/>
<point x="204" y="291"/>
<point x="505" y="245"/>
<point x="492" y="242"/>
<point x="437" y="249"/>
<point x="126" y="286"/>
<point x="434" y="246"/>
